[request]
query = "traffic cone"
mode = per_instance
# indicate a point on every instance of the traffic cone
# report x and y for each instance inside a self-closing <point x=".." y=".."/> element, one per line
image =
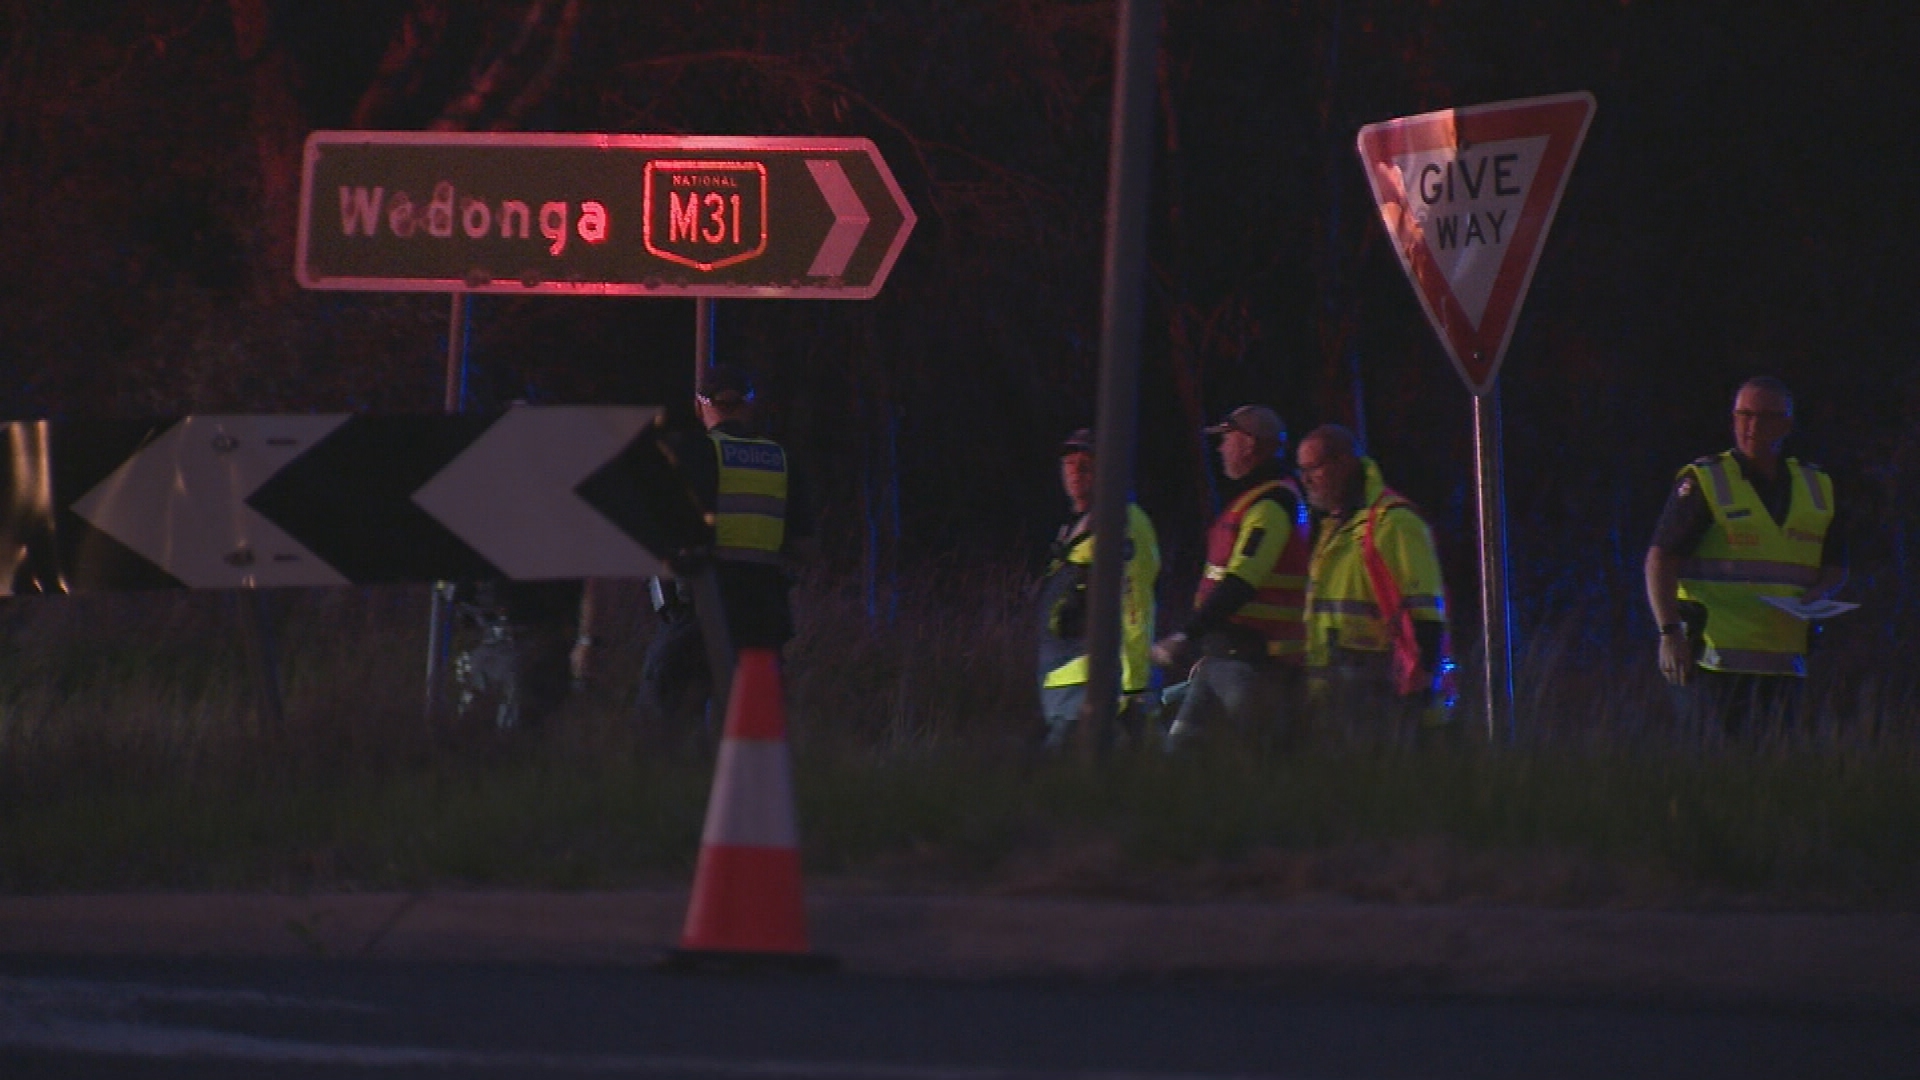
<point x="747" y="910"/>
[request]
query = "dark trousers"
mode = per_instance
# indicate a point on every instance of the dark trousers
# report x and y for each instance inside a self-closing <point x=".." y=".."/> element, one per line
<point x="1355" y="704"/>
<point x="674" y="681"/>
<point x="1737" y="705"/>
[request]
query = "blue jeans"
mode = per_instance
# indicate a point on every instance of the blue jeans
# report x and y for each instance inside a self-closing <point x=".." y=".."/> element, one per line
<point x="1258" y="701"/>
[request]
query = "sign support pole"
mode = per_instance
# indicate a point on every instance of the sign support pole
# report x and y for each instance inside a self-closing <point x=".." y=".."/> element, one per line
<point x="440" y="620"/>
<point x="1512" y="159"/>
<point x="1129" y="168"/>
<point x="1496" y="640"/>
<point x="706" y="587"/>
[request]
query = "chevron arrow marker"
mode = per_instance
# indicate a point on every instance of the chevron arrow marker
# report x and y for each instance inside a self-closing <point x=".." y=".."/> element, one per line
<point x="511" y="495"/>
<point x="850" y="219"/>
<point x="181" y="503"/>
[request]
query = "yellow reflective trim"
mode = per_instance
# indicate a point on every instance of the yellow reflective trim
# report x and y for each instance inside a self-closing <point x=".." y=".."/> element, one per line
<point x="1271" y="612"/>
<point x="749" y="531"/>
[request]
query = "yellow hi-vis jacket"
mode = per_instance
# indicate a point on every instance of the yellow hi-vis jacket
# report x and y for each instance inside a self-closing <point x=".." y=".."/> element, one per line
<point x="750" y="507"/>
<point x="1341" y="608"/>
<point x="1746" y="557"/>
<point x="1137" y="612"/>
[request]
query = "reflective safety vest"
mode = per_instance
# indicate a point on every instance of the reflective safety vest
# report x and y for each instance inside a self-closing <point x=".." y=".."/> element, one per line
<point x="1746" y="556"/>
<point x="750" y="510"/>
<point x="1343" y="611"/>
<point x="1278" y="608"/>
<point x="1142" y="567"/>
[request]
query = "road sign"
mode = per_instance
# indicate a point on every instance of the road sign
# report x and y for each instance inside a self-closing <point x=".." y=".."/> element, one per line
<point x="1467" y="196"/>
<point x="598" y="214"/>
<point x="536" y="493"/>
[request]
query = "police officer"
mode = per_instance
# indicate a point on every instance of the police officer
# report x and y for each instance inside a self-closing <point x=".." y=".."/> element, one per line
<point x="1740" y="527"/>
<point x="1063" y="603"/>
<point x="744" y="478"/>
<point x="1246" y="629"/>
<point x="1376" y="607"/>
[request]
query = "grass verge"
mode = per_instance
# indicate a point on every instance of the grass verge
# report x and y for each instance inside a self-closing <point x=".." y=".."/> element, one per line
<point x="132" y="757"/>
<point x="1733" y="830"/>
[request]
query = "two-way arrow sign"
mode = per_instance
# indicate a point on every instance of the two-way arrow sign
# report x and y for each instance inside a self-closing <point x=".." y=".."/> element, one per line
<point x="599" y="214"/>
<point x="536" y="493"/>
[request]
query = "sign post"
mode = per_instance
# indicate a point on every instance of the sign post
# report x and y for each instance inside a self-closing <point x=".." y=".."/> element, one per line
<point x="1467" y="196"/>
<point x="1123" y="283"/>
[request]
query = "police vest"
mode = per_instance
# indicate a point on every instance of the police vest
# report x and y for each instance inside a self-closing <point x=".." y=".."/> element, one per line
<point x="750" y="510"/>
<point x="1745" y="557"/>
<point x="1345" y="612"/>
<point x="1277" y="609"/>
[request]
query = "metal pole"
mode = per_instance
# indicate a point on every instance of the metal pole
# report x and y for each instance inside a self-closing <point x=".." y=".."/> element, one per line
<point x="266" y="662"/>
<point x="1129" y="168"/>
<point x="1496" y="640"/>
<point x="456" y="383"/>
<point x="707" y="606"/>
<point x="702" y="337"/>
<point x="440" y="620"/>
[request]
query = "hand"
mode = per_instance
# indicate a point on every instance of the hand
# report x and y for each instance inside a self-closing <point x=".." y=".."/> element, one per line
<point x="580" y="661"/>
<point x="1425" y="686"/>
<point x="1676" y="658"/>
<point x="1170" y="652"/>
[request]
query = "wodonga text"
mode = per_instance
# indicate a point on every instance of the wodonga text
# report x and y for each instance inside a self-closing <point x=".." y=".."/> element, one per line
<point x="363" y="211"/>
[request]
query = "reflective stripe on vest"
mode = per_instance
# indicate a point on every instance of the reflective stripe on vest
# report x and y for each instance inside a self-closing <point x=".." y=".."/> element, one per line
<point x="1277" y="609"/>
<point x="1746" y="557"/>
<point x="750" y="507"/>
<point x="1323" y="606"/>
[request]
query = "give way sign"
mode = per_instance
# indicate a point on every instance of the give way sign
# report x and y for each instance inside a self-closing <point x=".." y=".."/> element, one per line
<point x="1467" y="196"/>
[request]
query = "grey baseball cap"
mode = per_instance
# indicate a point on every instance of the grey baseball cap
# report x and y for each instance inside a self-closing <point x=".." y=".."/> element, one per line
<point x="1255" y="420"/>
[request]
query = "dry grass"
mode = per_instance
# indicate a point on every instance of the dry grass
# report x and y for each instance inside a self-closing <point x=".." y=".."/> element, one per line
<point x="132" y="755"/>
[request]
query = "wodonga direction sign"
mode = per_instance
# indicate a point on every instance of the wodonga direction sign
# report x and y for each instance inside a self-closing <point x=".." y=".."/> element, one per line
<point x="796" y="217"/>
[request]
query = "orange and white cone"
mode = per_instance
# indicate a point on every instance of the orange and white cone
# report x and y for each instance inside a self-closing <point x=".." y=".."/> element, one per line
<point x="747" y="908"/>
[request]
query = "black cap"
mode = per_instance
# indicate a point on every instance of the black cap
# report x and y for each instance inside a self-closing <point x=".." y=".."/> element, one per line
<point x="1080" y="442"/>
<point x="723" y="384"/>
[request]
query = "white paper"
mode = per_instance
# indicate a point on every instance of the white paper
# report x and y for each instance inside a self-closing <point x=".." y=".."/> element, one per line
<point x="1819" y="609"/>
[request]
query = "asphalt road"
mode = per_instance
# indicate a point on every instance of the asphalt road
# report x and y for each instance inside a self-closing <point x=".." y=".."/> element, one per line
<point x="293" y="1017"/>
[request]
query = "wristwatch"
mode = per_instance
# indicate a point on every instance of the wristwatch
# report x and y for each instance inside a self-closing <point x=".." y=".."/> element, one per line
<point x="1672" y="628"/>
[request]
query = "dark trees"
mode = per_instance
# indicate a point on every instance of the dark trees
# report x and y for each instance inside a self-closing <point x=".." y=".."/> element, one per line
<point x="1735" y="210"/>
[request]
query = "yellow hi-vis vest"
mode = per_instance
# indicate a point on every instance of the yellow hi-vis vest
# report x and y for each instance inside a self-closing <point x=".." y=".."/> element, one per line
<point x="1137" y="612"/>
<point x="1342" y="611"/>
<point x="1745" y="556"/>
<point x="750" y="510"/>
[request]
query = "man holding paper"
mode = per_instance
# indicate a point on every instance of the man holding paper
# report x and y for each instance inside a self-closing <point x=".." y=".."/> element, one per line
<point x="1745" y="553"/>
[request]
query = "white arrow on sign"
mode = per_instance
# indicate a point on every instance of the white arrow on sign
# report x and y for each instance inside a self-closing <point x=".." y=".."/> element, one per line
<point x="181" y="502"/>
<point x="510" y="496"/>
<point x="850" y="219"/>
